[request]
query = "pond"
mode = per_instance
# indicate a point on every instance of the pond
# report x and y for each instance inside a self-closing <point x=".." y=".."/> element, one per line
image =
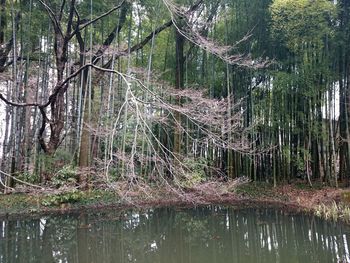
<point x="205" y="234"/>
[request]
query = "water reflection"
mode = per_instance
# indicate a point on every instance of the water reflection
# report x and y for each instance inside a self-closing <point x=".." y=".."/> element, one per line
<point x="207" y="234"/>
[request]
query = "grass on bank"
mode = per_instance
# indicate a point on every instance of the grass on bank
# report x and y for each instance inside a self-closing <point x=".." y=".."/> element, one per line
<point x="335" y="212"/>
<point x="19" y="203"/>
<point x="71" y="198"/>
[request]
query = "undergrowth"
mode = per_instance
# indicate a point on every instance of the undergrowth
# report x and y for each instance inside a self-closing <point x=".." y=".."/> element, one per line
<point x="94" y="197"/>
<point x="335" y="212"/>
<point x="254" y="190"/>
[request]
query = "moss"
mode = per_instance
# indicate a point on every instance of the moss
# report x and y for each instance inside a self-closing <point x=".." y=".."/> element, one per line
<point x="80" y="198"/>
<point x="24" y="203"/>
<point x="306" y="187"/>
<point x="15" y="203"/>
<point x="99" y="197"/>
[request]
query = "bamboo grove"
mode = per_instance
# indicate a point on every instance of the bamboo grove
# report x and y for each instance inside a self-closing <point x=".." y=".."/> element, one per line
<point x="160" y="91"/>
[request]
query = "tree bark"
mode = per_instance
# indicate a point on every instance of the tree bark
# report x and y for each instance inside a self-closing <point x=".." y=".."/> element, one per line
<point x="179" y="83"/>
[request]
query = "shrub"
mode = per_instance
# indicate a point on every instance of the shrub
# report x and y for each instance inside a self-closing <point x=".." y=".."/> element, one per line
<point x="195" y="172"/>
<point x="65" y="176"/>
<point x="62" y="198"/>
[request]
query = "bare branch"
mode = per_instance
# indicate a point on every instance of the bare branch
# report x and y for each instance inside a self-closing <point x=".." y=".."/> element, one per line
<point x="188" y="29"/>
<point x="149" y="37"/>
<point x="158" y="30"/>
<point x="101" y="16"/>
<point x="61" y="10"/>
<point x="52" y="16"/>
<point x="42" y="129"/>
<point x="77" y="14"/>
<point x="17" y="104"/>
<point x="20" y="181"/>
<point x="70" y="20"/>
<point x="195" y="6"/>
<point x="112" y="34"/>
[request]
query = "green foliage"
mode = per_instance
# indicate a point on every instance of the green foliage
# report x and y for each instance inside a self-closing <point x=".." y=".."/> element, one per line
<point x="29" y="177"/>
<point x="17" y="202"/>
<point x="77" y="197"/>
<point x="299" y="161"/>
<point x="306" y="187"/>
<point x="286" y="153"/>
<point x="59" y="168"/>
<point x="254" y="190"/>
<point x="62" y="198"/>
<point x="114" y="173"/>
<point x="197" y="227"/>
<point x="302" y="22"/>
<point x="195" y="174"/>
<point x="66" y="175"/>
<point x="59" y="159"/>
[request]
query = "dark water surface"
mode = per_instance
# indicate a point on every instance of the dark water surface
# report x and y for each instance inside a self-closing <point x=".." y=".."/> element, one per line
<point x="206" y="234"/>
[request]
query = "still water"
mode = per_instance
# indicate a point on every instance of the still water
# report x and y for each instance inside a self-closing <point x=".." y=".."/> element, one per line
<point x="206" y="234"/>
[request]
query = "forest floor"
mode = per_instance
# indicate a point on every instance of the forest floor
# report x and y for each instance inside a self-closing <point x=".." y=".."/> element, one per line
<point x="330" y="203"/>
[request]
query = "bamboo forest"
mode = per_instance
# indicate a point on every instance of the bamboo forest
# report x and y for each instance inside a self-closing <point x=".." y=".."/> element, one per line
<point x="160" y="104"/>
<point x="157" y="90"/>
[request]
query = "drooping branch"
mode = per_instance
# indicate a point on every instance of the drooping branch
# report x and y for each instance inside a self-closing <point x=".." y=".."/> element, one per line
<point x="157" y="31"/>
<point x="183" y="21"/>
<point x="205" y="28"/>
<point x="208" y="116"/>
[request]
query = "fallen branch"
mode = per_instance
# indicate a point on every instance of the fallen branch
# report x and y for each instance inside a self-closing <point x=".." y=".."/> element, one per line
<point x="20" y="181"/>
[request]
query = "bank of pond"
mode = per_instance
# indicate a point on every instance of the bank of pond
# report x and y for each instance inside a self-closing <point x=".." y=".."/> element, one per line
<point x="203" y="234"/>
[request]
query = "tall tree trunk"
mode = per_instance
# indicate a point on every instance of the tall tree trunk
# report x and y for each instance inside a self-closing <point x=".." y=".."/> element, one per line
<point x="344" y="90"/>
<point x="179" y="83"/>
<point x="88" y="91"/>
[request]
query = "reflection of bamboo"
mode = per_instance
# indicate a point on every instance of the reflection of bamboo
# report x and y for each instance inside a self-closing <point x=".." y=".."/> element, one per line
<point x="47" y="246"/>
<point x="192" y="235"/>
<point x="82" y="239"/>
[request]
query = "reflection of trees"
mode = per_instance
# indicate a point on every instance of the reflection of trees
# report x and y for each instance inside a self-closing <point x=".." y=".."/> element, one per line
<point x="207" y="234"/>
